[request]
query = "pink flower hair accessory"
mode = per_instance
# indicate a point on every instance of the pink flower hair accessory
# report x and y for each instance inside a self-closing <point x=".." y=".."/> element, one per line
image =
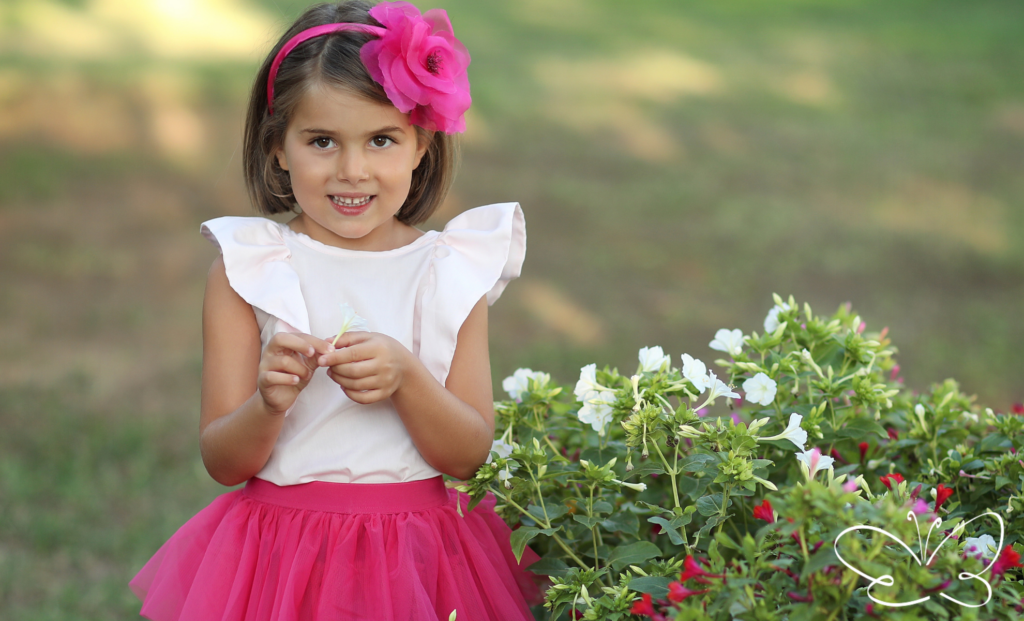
<point x="415" y="58"/>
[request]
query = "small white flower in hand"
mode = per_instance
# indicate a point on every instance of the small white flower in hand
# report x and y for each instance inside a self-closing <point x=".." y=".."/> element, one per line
<point x="760" y="389"/>
<point x="350" y="322"/>
<point x="771" y="322"/>
<point x="697" y="374"/>
<point x="519" y="382"/>
<point x="652" y="359"/>
<point x="794" y="433"/>
<point x="729" y="341"/>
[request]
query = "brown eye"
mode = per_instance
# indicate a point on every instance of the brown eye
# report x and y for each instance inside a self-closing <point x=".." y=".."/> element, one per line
<point x="381" y="141"/>
<point x="323" y="142"/>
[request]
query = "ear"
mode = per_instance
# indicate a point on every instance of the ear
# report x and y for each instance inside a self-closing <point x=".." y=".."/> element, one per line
<point x="423" y="139"/>
<point x="282" y="161"/>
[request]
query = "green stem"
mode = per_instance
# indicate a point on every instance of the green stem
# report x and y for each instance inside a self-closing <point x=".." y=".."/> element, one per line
<point x="558" y="455"/>
<point x="557" y="539"/>
<point x="725" y="506"/>
<point x="671" y="473"/>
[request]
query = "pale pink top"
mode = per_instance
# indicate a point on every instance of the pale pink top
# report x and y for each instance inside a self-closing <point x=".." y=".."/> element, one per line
<point x="418" y="294"/>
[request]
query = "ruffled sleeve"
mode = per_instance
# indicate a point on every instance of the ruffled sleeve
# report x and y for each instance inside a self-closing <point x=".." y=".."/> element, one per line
<point x="256" y="260"/>
<point x="479" y="252"/>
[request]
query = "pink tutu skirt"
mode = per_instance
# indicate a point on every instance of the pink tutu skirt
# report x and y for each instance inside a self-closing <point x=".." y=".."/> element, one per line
<point x="332" y="551"/>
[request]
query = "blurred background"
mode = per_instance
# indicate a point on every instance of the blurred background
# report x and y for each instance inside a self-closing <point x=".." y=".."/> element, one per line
<point x="677" y="163"/>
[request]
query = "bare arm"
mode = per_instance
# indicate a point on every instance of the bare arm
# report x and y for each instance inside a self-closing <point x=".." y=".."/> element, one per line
<point x="245" y="391"/>
<point x="451" y="425"/>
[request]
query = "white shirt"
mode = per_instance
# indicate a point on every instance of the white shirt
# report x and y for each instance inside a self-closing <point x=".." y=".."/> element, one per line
<point x="419" y="294"/>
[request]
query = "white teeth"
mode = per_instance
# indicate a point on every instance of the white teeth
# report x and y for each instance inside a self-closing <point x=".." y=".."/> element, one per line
<point x="350" y="202"/>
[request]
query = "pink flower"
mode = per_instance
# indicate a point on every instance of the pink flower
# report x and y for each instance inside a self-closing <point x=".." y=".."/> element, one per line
<point x="421" y="65"/>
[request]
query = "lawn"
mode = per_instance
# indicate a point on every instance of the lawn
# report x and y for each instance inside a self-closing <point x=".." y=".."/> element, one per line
<point x="677" y="163"/>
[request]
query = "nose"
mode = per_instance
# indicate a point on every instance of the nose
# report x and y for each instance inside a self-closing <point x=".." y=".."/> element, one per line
<point x="352" y="166"/>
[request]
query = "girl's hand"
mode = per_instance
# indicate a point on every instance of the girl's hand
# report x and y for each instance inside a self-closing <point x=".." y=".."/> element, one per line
<point x="368" y="366"/>
<point x="286" y="366"/>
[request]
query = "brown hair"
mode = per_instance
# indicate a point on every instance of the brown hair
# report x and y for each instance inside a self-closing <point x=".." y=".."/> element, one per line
<point x="334" y="60"/>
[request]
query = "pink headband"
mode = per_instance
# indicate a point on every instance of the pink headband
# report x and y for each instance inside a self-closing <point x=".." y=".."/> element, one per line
<point x="415" y="58"/>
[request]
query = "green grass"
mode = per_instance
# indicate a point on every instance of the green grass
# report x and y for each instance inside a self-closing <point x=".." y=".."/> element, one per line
<point x="862" y="151"/>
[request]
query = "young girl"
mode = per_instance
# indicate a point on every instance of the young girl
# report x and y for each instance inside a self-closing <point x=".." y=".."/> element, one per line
<point x="342" y="440"/>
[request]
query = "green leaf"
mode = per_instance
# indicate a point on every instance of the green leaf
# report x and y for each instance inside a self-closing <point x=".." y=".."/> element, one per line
<point x="699" y="462"/>
<point x="632" y="554"/>
<point x="1001" y="481"/>
<point x="549" y="566"/>
<point x="670" y="528"/>
<point x="710" y="504"/>
<point x="905" y="443"/>
<point x="644" y="469"/>
<point x="520" y="537"/>
<point x="693" y="487"/>
<point x="976" y="464"/>
<point x="555" y="511"/>
<point x="822" y="558"/>
<point x="996" y="442"/>
<point x="589" y="522"/>
<point x="657" y="586"/>
<point x="625" y="521"/>
<point x="603" y="507"/>
<point x="860" y="427"/>
<point x="725" y="540"/>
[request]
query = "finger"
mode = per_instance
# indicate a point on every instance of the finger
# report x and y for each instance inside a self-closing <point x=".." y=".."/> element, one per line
<point x="348" y="355"/>
<point x="368" y="383"/>
<point x="288" y="364"/>
<point x="276" y="378"/>
<point x="366" y="398"/>
<point x="357" y="370"/>
<point x="352" y="338"/>
<point x="287" y="342"/>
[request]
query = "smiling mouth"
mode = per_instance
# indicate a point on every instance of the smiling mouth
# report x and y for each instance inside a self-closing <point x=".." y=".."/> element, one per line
<point x="342" y="201"/>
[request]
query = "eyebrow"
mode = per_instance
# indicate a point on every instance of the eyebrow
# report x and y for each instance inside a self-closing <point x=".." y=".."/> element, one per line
<point x="383" y="130"/>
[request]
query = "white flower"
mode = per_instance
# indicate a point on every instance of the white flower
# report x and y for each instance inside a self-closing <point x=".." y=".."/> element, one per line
<point x="597" y="409"/>
<point x="503" y="449"/>
<point x="587" y="381"/>
<point x="815" y="461"/>
<point x="760" y="389"/>
<point x="729" y="341"/>
<point x="771" y="322"/>
<point x="350" y="322"/>
<point x="652" y="359"/>
<point x="985" y="545"/>
<point x="634" y="486"/>
<point x="695" y="371"/>
<point x="794" y="433"/>
<point x="519" y="382"/>
<point x="718" y="388"/>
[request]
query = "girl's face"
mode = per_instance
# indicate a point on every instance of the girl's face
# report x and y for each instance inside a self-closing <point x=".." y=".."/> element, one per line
<point x="350" y="161"/>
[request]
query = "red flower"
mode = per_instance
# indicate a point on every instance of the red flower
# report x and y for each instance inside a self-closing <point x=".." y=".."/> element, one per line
<point x="692" y="569"/>
<point x="764" y="512"/>
<point x="677" y="592"/>
<point x="917" y="492"/>
<point x="863" y="446"/>
<point x="643" y="606"/>
<point x="1008" y="559"/>
<point x="893" y="435"/>
<point x="942" y="494"/>
<point x="889" y="478"/>
<point x="1018" y="408"/>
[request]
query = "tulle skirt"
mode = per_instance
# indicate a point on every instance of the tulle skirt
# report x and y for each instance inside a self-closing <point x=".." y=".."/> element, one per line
<point x="331" y="551"/>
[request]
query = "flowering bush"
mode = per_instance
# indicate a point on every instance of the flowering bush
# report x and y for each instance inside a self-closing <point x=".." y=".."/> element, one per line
<point x="805" y="483"/>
